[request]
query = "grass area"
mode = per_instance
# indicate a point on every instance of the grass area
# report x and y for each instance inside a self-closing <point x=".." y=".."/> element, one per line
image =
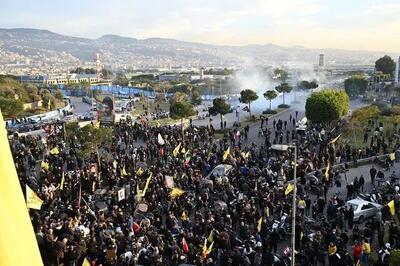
<point x="163" y="122"/>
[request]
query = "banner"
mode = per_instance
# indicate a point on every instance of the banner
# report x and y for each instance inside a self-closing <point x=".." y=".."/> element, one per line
<point x="121" y="194"/>
<point x="32" y="200"/>
<point x="105" y="109"/>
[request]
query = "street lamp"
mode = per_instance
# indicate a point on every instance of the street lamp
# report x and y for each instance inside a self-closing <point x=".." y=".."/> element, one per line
<point x="281" y="147"/>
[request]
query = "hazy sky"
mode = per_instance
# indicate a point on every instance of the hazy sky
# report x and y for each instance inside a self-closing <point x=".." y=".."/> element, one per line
<point x="348" y="24"/>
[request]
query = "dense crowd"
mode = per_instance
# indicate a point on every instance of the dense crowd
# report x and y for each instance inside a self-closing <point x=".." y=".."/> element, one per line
<point x="158" y="196"/>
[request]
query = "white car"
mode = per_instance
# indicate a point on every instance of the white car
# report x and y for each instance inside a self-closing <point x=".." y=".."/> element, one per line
<point x="363" y="209"/>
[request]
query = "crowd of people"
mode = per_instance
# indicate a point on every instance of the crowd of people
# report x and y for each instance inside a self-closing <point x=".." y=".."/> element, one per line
<point x="164" y="196"/>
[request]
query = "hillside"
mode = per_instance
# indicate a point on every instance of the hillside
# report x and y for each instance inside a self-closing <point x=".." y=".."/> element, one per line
<point x="33" y="47"/>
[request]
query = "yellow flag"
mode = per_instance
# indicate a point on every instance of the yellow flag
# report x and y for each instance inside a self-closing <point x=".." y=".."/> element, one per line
<point x="183" y="150"/>
<point x="327" y="170"/>
<point x="391" y="207"/>
<point x="186" y="153"/>
<point x="44" y="165"/>
<point x="226" y="153"/>
<point x="259" y="225"/>
<point x="211" y="237"/>
<point x="392" y="156"/>
<point x="176" y="193"/>
<point x="176" y="150"/>
<point x="147" y="184"/>
<point x="62" y="181"/>
<point x="97" y="124"/>
<point x="138" y="193"/>
<point x="18" y="244"/>
<point x="289" y="188"/>
<point x="32" y="200"/>
<point x="185" y="125"/>
<point x="184" y="216"/>
<point x="48" y="104"/>
<point x="139" y="171"/>
<point x="55" y="151"/>
<point x="86" y="262"/>
<point x="204" y="248"/>
<point x="115" y="164"/>
<point x="210" y="248"/>
<point x="335" y="139"/>
<point x="158" y="124"/>
<point x="123" y="172"/>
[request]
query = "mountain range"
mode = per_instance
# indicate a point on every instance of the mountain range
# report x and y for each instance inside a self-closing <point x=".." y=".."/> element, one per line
<point x="35" y="47"/>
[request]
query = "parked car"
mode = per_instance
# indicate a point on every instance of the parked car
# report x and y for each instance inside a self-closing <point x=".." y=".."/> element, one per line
<point x="363" y="209"/>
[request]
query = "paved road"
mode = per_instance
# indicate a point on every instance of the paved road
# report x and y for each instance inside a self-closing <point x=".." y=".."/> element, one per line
<point x="79" y="106"/>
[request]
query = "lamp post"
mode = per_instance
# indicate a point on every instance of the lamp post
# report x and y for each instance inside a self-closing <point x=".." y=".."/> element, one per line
<point x="280" y="147"/>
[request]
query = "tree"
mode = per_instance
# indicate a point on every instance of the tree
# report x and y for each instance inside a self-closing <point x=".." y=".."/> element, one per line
<point x="179" y="97"/>
<point x="196" y="97"/>
<point x="270" y="95"/>
<point x="220" y="107"/>
<point x="247" y="97"/>
<point x="385" y="64"/>
<point x="280" y="74"/>
<point x="327" y="105"/>
<point x="180" y="110"/>
<point x="11" y="107"/>
<point x="283" y="88"/>
<point x="307" y="85"/>
<point x="355" y="85"/>
<point x="58" y="95"/>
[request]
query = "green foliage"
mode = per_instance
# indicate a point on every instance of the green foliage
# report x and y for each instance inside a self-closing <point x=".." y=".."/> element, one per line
<point x="58" y="95"/>
<point x="394" y="258"/>
<point x="283" y="88"/>
<point x="195" y="97"/>
<point x="281" y="74"/>
<point x="10" y="107"/>
<point x="88" y="138"/>
<point x="221" y="107"/>
<point x="284" y="106"/>
<point x="307" y="85"/>
<point x="364" y="113"/>
<point x="355" y="85"/>
<point x="327" y="105"/>
<point x="270" y="95"/>
<point x="179" y="97"/>
<point x="121" y="80"/>
<point x="80" y="70"/>
<point x="385" y="64"/>
<point x="107" y="74"/>
<point x="248" y="96"/>
<point x="181" y="109"/>
<point x="48" y="98"/>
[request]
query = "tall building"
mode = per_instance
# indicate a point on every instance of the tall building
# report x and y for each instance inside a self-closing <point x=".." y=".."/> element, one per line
<point x="202" y="73"/>
<point x="321" y="60"/>
<point x="98" y="63"/>
<point x="397" y="73"/>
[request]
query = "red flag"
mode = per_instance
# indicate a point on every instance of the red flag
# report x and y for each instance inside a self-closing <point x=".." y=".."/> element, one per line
<point x="136" y="228"/>
<point x="185" y="245"/>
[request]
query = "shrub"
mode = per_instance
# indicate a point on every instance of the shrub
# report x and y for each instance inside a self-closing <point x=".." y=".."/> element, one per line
<point x="327" y="105"/>
<point x="285" y="106"/>
<point x="365" y="113"/>
<point x="269" y="112"/>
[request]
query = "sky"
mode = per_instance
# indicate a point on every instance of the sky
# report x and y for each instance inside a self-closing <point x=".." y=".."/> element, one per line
<point x="346" y="24"/>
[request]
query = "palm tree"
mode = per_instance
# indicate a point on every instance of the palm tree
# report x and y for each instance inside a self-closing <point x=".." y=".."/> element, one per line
<point x="270" y="95"/>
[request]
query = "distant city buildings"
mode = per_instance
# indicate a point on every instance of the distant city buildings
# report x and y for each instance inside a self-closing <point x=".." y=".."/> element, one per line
<point x="321" y="62"/>
<point x="397" y="73"/>
<point x="59" y="79"/>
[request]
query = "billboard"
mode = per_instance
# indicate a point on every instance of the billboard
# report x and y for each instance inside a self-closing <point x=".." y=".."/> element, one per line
<point x="105" y="109"/>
